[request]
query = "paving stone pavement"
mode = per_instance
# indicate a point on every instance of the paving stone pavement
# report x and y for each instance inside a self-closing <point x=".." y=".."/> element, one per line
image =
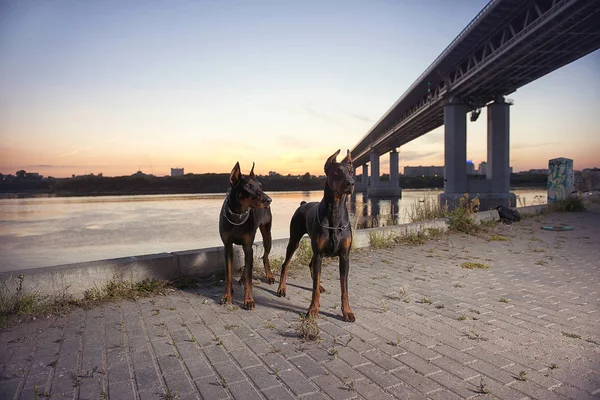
<point x="528" y="327"/>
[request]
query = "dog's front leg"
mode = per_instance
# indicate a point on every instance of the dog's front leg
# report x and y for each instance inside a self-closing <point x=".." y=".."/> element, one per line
<point x="344" y="270"/>
<point x="249" y="260"/>
<point x="265" y="231"/>
<point x="226" y="299"/>
<point x="313" y="310"/>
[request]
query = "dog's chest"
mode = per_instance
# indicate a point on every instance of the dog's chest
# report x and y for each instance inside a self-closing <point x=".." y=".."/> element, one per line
<point x="331" y="243"/>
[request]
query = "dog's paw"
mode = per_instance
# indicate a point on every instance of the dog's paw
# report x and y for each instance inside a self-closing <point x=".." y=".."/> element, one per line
<point x="349" y="317"/>
<point x="270" y="279"/>
<point x="226" y="299"/>
<point x="281" y="292"/>
<point x="249" y="304"/>
<point x="313" y="312"/>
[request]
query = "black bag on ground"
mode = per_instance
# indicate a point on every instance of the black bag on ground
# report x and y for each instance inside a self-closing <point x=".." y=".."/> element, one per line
<point x="508" y="215"/>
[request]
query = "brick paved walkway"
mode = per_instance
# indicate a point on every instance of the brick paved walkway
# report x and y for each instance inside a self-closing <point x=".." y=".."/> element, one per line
<point x="542" y="343"/>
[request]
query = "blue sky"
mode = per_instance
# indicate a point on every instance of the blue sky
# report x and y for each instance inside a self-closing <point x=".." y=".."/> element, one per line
<point x="110" y="86"/>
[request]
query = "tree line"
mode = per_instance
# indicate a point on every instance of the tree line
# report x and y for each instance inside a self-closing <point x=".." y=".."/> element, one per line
<point x="202" y="183"/>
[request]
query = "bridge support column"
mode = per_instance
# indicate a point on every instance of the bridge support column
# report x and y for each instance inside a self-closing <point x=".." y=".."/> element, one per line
<point x="374" y="169"/>
<point x="363" y="185"/>
<point x="498" y="155"/>
<point x="394" y="168"/>
<point x="381" y="189"/>
<point x="455" y="153"/>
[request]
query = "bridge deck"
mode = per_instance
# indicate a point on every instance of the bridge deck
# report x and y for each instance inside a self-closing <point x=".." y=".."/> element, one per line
<point x="509" y="44"/>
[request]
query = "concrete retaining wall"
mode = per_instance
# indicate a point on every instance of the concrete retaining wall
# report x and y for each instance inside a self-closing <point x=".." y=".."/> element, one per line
<point x="75" y="279"/>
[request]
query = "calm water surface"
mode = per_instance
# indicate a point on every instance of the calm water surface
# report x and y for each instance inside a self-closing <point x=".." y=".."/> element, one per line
<point x="40" y="232"/>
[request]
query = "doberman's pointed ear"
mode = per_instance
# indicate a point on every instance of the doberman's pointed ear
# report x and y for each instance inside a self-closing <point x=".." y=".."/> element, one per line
<point x="236" y="173"/>
<point x="348" y="158"/>
<point x="252" y="170"/>
<point x="331" y="160"/>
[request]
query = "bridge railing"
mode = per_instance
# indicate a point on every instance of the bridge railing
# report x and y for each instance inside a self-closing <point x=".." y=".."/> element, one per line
<point x="432" y="65"/>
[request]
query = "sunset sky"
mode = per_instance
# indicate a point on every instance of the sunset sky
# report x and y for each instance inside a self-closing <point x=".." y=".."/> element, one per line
<point x="110" y="86"/>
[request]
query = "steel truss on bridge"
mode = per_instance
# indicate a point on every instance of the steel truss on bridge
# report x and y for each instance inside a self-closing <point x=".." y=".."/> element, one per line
<point x="509" y="44"/>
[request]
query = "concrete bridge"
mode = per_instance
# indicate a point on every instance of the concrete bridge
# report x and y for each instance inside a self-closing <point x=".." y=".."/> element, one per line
<point x="509" y="44"/>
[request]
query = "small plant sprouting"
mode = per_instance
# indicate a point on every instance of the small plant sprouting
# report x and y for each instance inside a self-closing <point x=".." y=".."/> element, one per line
<point x="385" y="307"/>
<point x="503" y="300"/>
<point x="350" y="386"/>
<point x="333" y="352"/>
<point x="498" y="238"/>
<point x="462" y="317"/>
<point x="522" y="376"/>
<point x="474" y="265"/>
<point x="269" y="325"/>
<point x="425" y="300"/>
<point x="553" y="366"/>
<point x="169" y="395"/>
<point x="223" y="382"/>
<point x="482" y="387"/>
<point x="475" y="336"/>
<point x="396" y="343"/>
<point x="458" y="285"/>
<point x="336" y="341"/>
<point x="219" y="341"/>
<point x="571" y="335"/>
<point x="308" y="329"/>
<point x="193" y="339"/>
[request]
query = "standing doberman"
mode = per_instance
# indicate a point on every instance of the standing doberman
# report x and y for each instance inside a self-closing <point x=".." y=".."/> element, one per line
<point x="245" y="209"/>
<point x="328" y="226"/>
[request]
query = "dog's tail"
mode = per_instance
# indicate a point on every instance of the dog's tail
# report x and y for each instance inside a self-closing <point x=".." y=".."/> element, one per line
<point x="302" y="203"/>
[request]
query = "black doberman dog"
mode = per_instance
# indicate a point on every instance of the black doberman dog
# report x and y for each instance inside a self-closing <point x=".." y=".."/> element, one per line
<point x="246" y="208"/>
<point x="328" y="226"/>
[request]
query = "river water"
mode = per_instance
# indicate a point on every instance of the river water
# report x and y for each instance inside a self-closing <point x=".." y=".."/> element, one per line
<point x="41" y="232"/>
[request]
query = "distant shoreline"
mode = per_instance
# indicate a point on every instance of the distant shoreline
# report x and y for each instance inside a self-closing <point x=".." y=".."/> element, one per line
<point x="201" y="184"/>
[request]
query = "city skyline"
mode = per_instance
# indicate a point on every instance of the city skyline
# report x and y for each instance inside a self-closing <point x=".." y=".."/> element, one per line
<point x="96" y="87"/>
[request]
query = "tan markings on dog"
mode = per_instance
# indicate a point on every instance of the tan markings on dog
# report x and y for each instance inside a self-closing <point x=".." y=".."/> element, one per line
<point x="316" y="298"/>
<point x="347" y="243"/>
<point x="322" y="243"/>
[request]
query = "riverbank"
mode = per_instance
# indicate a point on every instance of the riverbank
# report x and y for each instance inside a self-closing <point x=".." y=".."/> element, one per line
<point x="75" y="279"/>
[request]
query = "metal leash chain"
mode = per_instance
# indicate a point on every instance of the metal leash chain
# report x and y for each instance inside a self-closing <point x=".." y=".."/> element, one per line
<point x="341" y="228"/>
<point x="246" y="214"/>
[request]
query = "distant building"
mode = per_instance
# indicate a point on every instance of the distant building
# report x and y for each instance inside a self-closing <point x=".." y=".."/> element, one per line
<point x="483" y="168"/>
<point x="177" y="172"/>
<point x="543" y="171"/>
<point x="141" y="174"/>
<point x="423" y="171"/>
<point x="470" y="168"/>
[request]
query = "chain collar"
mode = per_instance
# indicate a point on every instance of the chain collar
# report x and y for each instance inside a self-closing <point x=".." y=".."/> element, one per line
<point x="340" y="228"/>
<point x="245" y="215"/>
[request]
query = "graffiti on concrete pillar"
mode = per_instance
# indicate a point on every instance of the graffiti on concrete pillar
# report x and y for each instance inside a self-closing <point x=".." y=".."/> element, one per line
<point x="560" y="179"/>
